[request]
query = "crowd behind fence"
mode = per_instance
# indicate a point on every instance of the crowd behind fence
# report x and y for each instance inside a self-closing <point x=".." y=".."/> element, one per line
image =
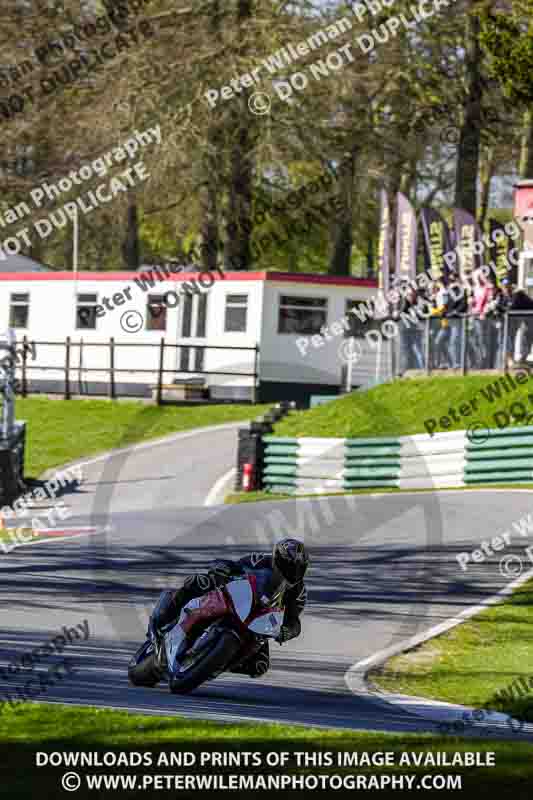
<point x="465" y="343"/>
<point x="468" y="325"/>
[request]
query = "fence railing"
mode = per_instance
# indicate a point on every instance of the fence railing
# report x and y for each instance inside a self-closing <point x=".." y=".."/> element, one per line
<point x="469" y="343"/>
<point x="463" y="343"/>
<point x="67" y="366"/>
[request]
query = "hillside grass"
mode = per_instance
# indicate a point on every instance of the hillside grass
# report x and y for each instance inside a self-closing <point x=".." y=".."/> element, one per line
<point x="400" y="408"/>
<point x="59" y="431"/>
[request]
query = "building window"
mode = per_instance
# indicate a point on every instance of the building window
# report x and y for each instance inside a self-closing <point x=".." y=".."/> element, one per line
<point x="356" y="327"/>
<point x="86" y="311"/>
<point x="19" y="310"/>
<point x="156" y="313"/>
<point x="236" y="313"/>
<point x="304" y="315"/>
<point x="186" y="322"/>
<point x="184" y="359"/>
<point x="199" y="358"/>
<point x="201" y="317"/>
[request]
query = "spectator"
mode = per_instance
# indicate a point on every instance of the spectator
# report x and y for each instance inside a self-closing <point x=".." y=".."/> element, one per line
<point x="440" y="300"/>
<point x="496" y="310"/>
<point x="410" y="332"/>
<point x="483" y="293"/>
<point x="519" y="326"/>
<point x="457" y="309"/>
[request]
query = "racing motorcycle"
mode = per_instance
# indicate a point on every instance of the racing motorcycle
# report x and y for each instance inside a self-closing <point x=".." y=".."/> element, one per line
<point x="214" y="633"/>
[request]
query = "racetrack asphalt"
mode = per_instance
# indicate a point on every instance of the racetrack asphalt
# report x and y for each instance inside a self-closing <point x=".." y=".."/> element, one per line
<point x="383" y="568"/>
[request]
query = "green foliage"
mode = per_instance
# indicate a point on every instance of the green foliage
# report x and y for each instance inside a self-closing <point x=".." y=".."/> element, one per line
<point x="157" y="237"/>
<point x="508" y="43"/>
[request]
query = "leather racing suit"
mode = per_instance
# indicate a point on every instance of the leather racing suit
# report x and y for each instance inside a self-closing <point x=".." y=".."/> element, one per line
<point x="219" y="573"/>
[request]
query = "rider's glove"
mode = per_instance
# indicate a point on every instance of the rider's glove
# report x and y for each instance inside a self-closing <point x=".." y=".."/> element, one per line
<point x="221" y="572"/>
<point x="288" y="632"/>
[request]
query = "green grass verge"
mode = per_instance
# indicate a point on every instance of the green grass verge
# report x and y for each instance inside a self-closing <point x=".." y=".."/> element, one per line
<point x="65" y="430"/>
<point x="477" y="663"/>
<point x="55" y="728"/>
<point x="235" y="498"/>
<point x="400" y="408"/>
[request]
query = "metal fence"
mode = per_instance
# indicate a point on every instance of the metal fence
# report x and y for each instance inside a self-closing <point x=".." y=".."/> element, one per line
<point x="73" y="372"/>
<point x="463" y="344"/>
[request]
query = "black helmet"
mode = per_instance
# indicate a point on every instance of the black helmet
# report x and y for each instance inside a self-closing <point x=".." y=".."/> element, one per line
<point x="289" y="556"/>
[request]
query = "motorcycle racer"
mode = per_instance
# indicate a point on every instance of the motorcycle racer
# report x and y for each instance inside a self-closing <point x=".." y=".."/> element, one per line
<point x="282" y="577"/>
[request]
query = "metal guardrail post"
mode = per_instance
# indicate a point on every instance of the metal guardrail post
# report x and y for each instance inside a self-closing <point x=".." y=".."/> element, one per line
<point x="426" y="348"/>
<point x="256" y="362"/>
<point x="24" y="381"/>
<point x="504" y="341"/>
<point x="159" y="396"/>
<point x="112" y="368"/>
<point x="464" y="335"/>
<point x="67" y="368"/>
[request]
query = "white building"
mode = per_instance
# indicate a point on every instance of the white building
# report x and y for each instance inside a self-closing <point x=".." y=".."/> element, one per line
<point x="109" y="318"/>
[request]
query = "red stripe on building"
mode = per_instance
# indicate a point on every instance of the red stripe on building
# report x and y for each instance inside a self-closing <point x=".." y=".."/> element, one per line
<point x="283" y="277"/>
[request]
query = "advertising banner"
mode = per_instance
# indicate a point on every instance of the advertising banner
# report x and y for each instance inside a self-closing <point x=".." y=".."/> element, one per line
<point x="437" y="241"/>
<point x="406" y="240"/>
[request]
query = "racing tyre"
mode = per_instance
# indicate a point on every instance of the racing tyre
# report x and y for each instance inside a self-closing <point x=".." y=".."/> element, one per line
<point x="144" y="670"/>
<point x="216" y="659"/>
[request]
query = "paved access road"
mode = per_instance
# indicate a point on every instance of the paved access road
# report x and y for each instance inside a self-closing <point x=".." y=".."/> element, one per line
<point x="383" y="569"/>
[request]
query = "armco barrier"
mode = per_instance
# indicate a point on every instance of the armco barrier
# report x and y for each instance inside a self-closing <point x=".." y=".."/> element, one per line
<point x="444" y="460"/>
<point x="505" y="457"/>
<point x="250" y="449"/>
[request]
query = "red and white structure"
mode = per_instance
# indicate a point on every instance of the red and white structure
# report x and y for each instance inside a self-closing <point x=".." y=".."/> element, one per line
<point x="293" y="319"/>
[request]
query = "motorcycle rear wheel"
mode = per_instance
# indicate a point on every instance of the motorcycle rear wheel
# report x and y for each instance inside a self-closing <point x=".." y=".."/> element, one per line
<point x="217" y="658"/>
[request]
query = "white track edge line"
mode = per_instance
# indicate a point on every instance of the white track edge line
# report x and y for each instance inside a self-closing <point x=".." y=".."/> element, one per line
<point x="212" y="497"/>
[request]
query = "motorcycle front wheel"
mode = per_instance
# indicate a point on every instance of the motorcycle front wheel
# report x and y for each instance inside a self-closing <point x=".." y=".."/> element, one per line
<point x="144" y="669"/>
<point x="223" y="651"/>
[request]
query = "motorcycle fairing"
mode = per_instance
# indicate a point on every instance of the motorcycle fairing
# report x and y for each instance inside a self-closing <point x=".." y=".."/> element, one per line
<point x="212" y="604"/>
<point x="242" y="597"/>
<point x="173" y="641"/>
<point x="265" y="621"/>
<point x="268" y="623"/>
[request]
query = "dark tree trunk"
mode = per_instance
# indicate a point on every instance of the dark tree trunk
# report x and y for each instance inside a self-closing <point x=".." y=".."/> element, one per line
<point x="211" y="168"/>
<point x="526" y="146"/>
<point x="486" y="173"/>
<point x="470" y="134"/>
<point x="240" y="198"/>
<point x="130" y="246"/>
<point x="239" y="223"/>
<point x="340" y="263"/>
<point x="370" y="263"/>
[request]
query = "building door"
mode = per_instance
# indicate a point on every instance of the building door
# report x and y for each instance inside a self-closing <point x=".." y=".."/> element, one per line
<point x="193" y="329"/>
